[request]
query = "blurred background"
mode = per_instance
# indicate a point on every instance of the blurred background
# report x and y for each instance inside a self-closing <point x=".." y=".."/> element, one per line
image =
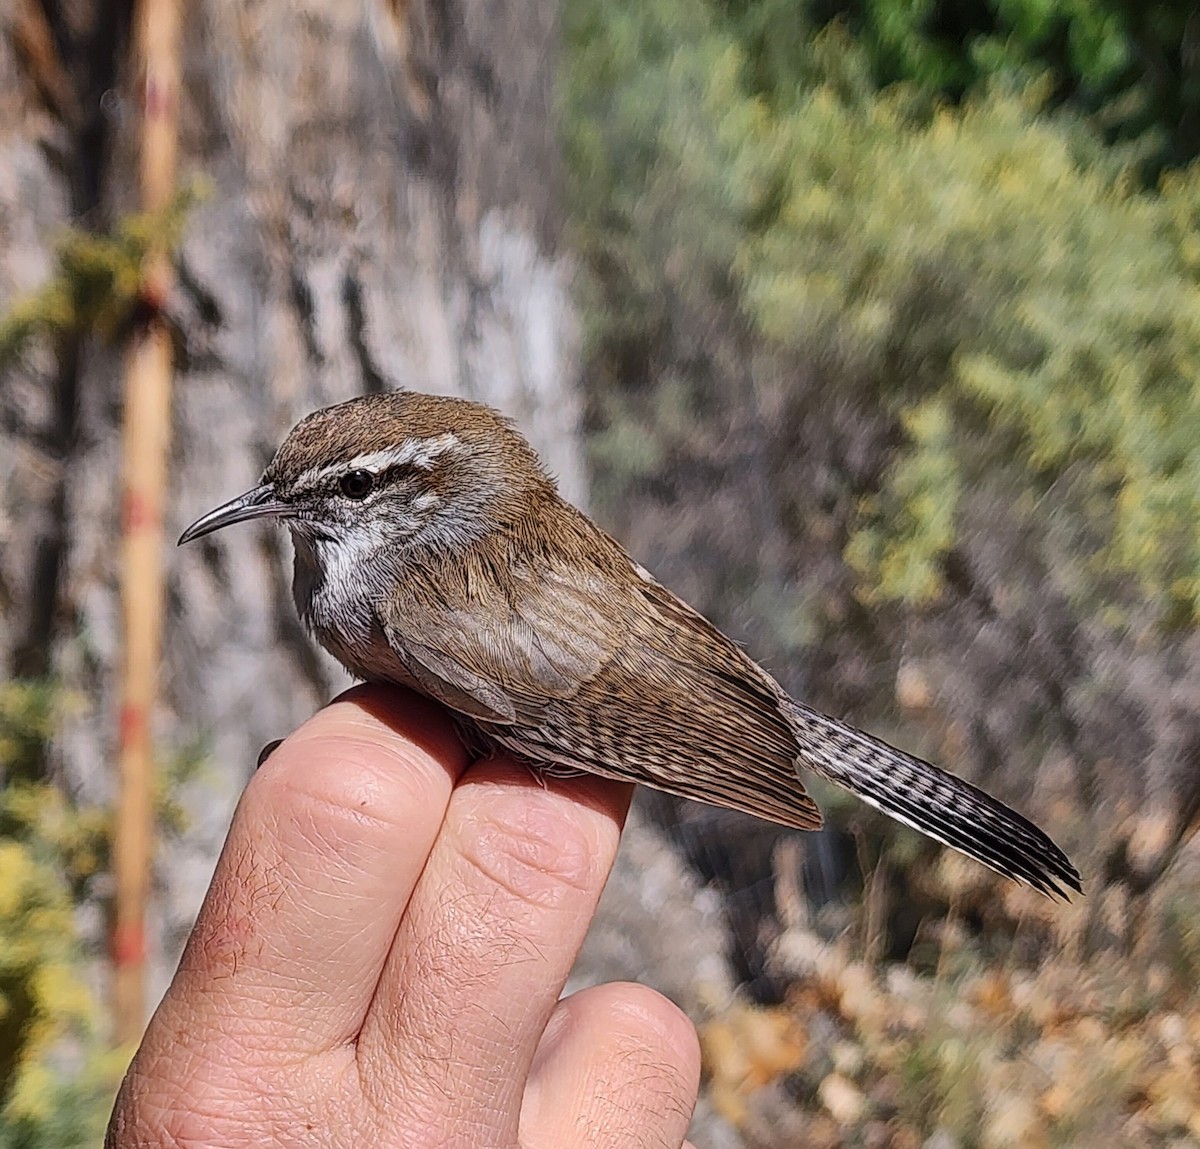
<point x="871" y="327"/>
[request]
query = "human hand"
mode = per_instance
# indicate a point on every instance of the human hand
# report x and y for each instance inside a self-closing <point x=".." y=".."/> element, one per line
<point x="379" y="960"/>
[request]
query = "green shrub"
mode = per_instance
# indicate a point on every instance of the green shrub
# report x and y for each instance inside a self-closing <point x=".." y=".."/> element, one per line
<point x="1024" y="314"/>
<point x="1058" y="331"/>
<point x="56" y="1079"/>
<point x="98" y="279"/>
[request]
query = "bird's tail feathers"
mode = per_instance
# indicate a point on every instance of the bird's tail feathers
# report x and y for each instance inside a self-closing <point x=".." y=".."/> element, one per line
<point x="932" y="801"/>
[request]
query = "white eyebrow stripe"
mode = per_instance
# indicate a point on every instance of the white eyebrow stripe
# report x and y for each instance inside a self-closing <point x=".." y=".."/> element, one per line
<point x="419" y="453"/>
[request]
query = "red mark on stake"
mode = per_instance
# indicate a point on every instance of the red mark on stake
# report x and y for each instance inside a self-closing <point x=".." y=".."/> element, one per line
<point x="132" y="723"/>
<point x="129" y="945"/>
<point x="140" y="513"/>
<point x="157" y="98"/>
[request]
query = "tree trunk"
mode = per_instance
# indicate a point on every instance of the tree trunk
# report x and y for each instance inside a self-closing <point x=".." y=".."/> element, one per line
<point x="382" y="215"/>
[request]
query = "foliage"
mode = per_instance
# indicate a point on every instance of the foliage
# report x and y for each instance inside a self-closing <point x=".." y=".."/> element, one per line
<point x="56" y="1080"/>
<point x="97" y="283"/>
<point x="1128" y="65"/>
<point x="956" y="307"/>
<point x="1026" y="314"/>
<point x="1062" y="336"/>
<point x="1069" y="1053"/>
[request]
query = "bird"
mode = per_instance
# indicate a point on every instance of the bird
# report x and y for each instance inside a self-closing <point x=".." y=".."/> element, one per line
<point x="432" y="550"/>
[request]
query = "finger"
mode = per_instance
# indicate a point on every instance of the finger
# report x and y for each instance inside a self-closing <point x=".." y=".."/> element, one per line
<point x="491" y="933"/>
<point x="326" y="846"/>
<point x="618" y="1066"/>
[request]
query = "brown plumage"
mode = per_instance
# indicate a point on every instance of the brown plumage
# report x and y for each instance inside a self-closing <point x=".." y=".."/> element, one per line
<point x="433" y="550"/>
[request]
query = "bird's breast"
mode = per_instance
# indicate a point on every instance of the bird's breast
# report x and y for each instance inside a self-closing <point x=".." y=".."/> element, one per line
<point x="357" y="640"/>
<point x="337" y="600"/>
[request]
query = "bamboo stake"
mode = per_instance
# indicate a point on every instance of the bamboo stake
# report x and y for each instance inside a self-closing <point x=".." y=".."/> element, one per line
<point x="146" y="434"/>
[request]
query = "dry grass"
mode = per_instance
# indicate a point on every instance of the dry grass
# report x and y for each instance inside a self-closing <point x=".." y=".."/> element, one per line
<point x="1079" y="1048"/>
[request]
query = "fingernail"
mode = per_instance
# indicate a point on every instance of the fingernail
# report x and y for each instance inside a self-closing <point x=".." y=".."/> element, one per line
<point x="267" y="751"/>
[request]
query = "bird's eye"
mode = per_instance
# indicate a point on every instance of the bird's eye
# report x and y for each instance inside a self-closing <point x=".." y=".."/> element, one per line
<point x="357" y="484"/>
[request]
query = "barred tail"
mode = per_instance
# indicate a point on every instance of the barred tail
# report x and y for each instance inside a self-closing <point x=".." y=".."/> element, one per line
<point x="932" y="801"/>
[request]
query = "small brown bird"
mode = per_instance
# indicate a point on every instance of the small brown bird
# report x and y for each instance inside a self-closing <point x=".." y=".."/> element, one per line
<point x="433" y="550"/>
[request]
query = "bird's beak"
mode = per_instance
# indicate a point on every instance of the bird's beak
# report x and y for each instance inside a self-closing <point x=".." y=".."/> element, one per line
<point x="259" y="503"/>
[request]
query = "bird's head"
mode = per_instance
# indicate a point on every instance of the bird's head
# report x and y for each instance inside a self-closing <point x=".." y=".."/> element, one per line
<point x="390" y="473"/>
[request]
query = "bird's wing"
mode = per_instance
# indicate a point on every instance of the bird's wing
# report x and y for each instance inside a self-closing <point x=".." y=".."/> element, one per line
<point x="605" y="670"/>
<point x="506" y="648"/>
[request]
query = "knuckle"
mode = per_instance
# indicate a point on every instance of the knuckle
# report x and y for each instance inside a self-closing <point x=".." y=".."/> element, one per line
<point x="649" y="1020"/>
<point x="535" y="847"/>
<point x="354" y="781"/>
<point x="157" y="1110"/>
